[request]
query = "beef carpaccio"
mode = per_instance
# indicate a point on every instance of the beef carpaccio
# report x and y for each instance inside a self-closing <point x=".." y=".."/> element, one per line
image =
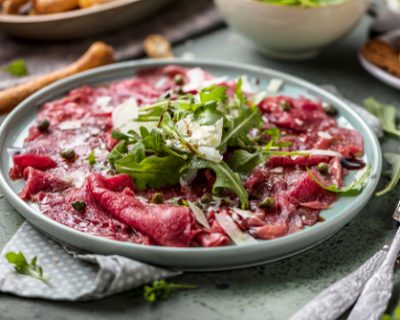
<point x="176" y="157"/>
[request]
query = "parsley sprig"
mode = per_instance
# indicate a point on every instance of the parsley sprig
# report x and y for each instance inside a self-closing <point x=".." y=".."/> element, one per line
<point x="162" y="290"/>
<point x="22" y="266"/>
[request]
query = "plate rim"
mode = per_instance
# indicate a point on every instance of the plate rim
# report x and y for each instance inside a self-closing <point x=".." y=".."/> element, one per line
<point x="30" y="214"/>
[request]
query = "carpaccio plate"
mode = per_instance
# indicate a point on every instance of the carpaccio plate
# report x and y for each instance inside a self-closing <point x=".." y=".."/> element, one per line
<point x="15" y="129"/>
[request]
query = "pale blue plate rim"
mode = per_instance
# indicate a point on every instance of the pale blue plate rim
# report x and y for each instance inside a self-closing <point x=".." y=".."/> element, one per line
<point x="107" y="73"/>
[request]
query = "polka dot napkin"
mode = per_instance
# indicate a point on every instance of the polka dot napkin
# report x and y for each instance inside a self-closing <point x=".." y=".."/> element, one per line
<point x="72" y="276"/>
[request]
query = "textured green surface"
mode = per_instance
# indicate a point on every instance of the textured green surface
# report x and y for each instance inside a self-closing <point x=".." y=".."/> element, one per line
<point x="273" y="291"/>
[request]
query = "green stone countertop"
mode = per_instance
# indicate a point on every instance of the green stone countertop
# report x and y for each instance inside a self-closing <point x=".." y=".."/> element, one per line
<point x="273" y="291"/>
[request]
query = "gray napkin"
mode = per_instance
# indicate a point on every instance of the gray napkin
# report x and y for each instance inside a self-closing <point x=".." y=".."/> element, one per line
<point x="72" y="276"/>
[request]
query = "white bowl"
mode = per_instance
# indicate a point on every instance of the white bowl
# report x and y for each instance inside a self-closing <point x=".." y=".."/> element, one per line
<point x="292" y="32"/>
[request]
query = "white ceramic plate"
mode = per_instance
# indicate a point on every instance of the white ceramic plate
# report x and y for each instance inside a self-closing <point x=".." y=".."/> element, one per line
<point x="14" y="129"/>
<point x="80" y="23"/>
<point x="392" y="38"/>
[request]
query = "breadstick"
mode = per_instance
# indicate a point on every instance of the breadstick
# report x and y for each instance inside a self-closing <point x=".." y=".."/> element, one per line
<point x="54" y="6"/>
<point x="97" y="55"/>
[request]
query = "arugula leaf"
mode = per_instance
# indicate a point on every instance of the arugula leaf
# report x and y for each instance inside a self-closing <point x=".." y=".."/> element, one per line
<point x="241" y="99"/>
<point x="17" y="68"/>
<point x="117" y="152"/>
<point x="161" y="290"/>
<point x="21" y="265"/>
<point x="385" y="113"/>
<point x="207" y="115"/>
<point x="354" y="188"/>
<point x="214" y="93"/>
<point x="225" y="178"/>
<point x="394" y="160"/>
<point x="243" y="161"/>
<point x="152" y="171"/>
<point x="249" y="117"/>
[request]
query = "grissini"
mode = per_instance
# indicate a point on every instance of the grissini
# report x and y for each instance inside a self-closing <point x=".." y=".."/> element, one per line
<point x="97" y="55"/>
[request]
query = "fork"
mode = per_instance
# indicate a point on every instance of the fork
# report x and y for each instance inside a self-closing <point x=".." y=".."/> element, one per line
<point x="332" y="302"/>
<point x="376" y="294"/>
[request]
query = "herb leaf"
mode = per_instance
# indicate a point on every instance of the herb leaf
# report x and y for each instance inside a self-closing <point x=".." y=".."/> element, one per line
<point x="16" y="68"/>
<point x="214" y="93"/>
<point x="162" y="290"/>
<point x="226" y="178"/>
<point x="243" y="161"/>
<point x="385" y="113"/>
<point x="249" y="117"/>
<point x="21" y="265"/>
<point x="354" y="188"/>
<point x="394" y="160"/>
<point x="152" y="171"/>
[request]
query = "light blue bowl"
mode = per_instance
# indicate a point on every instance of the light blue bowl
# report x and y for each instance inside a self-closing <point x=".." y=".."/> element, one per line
<point x="14" y="129"/>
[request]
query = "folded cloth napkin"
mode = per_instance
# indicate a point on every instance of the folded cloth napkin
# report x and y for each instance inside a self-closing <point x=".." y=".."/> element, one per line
<point x="72" y="276"/>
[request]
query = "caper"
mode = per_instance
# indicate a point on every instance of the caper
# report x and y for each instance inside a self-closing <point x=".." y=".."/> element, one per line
<point x="79" y="206"/>
<point x="68" y="154"/>
<point x="331" y="110"/>
<point x="43" y="125"/>
<point x="267" y="203"/>
<point x="285" y="105"/>
<point x="179" y="80"/>
<point x="323" y="167"/>
<point x="157" y="198"/>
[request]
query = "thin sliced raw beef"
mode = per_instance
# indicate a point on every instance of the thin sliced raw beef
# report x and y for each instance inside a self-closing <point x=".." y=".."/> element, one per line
<point x="166" y="224"/>
<point x="37" y="181"/>
<point x="22" y="161"/>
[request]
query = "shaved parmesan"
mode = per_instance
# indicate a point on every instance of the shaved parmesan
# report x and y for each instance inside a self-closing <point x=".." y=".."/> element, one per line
<point x="324" y="135"/>
<point x="275" y="85"/>
<point x="243" y="213"/>
<point x="277" y="170"/>
<point x="199" y="215"/>
<point x="320" y="152"/>
<point x="232" y="230"/>
<point x="124" y="116"/>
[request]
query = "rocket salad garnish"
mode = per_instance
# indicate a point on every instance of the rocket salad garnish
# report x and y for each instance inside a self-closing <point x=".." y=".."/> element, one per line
<point x="162" y="142"/>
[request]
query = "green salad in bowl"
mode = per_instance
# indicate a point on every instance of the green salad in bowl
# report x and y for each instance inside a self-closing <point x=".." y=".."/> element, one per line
<point x="303" y="3"/>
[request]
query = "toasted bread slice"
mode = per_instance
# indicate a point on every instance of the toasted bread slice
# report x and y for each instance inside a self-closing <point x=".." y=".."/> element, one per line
<point x="383" y="55"/>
